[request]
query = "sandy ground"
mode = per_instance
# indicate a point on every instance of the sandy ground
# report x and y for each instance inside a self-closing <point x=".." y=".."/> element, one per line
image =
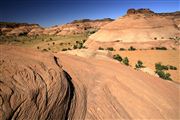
<point x="150" y="57"/>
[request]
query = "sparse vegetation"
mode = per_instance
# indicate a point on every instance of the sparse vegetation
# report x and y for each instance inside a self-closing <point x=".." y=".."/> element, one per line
<point x="117" y="57"/>
<point x="160" y="70"/>
<point x="100" y="48"/>
<point x="64" y="49"/>
<point x="110" y="49"/>
<point x="139" y="64"/>
<point x="45" y="50"/>
<point x="172" y="67"/>
<point x="163" y="75"/>
<point x="159" y="66"/>
<point x="161" y="48"/>
<point x="122" y="49"/>
<point x="131" y="48"/>
<point x="126" y="61"/>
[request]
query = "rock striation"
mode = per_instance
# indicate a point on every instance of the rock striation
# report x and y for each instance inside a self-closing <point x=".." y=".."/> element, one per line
<point x="35" y="85"/>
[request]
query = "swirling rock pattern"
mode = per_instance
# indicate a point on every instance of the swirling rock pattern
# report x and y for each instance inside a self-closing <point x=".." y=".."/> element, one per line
<point x="34" y="86"/>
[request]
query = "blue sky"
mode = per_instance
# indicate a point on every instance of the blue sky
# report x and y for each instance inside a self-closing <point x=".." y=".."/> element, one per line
<point x="54" y="12"/>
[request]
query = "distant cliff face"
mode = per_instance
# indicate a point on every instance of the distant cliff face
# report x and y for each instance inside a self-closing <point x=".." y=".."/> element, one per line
<point x="76" y="27"/>
<point x="137" y="26"/>
<point x="142" y="11"/>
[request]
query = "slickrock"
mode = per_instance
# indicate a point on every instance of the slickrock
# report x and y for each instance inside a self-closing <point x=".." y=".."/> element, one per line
<point x="138" y="27"/>
<point x="35" y="85"/>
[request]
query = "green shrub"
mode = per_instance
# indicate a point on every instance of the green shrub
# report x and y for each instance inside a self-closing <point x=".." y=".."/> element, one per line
<point x="172" y="67"/>
<point x="117" y="57"/>
<point x="139" y="64"/>
<point x="132" y="48"/>
<point x="163" y="75"/>
<point x="122" y="49"/>
<point x="159" y="66"/>
<point x="110" y="49"/>
<point x="100" y="48"/>
<point x="161" y="48"/>
<point x="126" y="61"/>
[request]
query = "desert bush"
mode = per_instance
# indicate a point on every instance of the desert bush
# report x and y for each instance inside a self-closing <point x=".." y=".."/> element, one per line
<point x="163" y="75"/>
<point x="61" y="43"/>
<point x="38" y="47"/>
<point x="172" y="67"/>
<point x="132" y="48"/>
<point x="75" y="47"/>
<point x="122" y="49"/>
<point x="100" y="48"/>
<point x="139" y="64"/>
<point x="45" y="50"/>
<point x="152" y="48"/>
<point x="64" y="49"/>
<point x="126" y="61"/>
<point x="80" y="45"/>
<point x="173" y="48"/>
<point x="110" y="49"/>
<point x="84" y="41"/>
<point x="161" y="48"/>
<point x="159" y="66"/>
<point x="50" y="39"/>
<point x="53" y="43"/>
<point x="117" y="57"/>
<point x="49" y="48"/>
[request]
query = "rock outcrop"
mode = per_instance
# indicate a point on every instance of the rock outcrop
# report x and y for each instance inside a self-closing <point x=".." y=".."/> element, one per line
<point x="33" y="86"/>
<point x="138" y="26"/>
<point x="76" y="27"/>
<point x="16" y="29"/>
<point x="141" y="11"/>
<point x="36" y="85"/>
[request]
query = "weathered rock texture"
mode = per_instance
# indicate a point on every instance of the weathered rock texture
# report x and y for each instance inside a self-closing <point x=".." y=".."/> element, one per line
<point x="34" y="86"/>
<point x="138" y="26"/>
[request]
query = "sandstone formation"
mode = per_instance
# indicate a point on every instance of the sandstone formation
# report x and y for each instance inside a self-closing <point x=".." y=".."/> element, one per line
<point x="36" y="85"/>
<point x="16" y="29"/>
<point x="138" y="26"/>
<point x="76" y="27"/>
<point x="33" y="86"/>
